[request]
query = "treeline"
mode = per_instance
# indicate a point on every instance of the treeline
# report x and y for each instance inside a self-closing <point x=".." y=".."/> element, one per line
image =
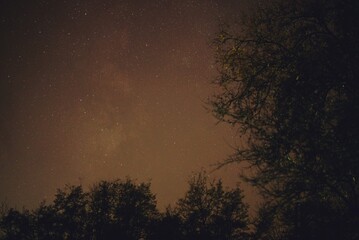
<point x="123" y="209"/>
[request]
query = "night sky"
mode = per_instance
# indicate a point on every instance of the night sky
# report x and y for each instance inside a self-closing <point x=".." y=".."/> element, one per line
<point x="103" y="89"/>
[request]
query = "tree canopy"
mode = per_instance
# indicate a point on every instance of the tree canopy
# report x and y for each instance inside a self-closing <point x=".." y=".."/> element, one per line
<point x="209" y="211"/>
<point x="124" y="209"/>
<point x="110" y="210"/>
<point x="288" y="79"/>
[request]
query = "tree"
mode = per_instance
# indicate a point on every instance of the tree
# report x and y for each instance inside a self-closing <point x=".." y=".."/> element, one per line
<point x="208" y="211"/>
<point x="17" y="225"/>
<point x="167" y="226"/>
<point x="121" y="209"/>
<point x="288" y="80"/>
<point x="70" y="205"/>
<point x="110" y="210"/>
<point x="47" y="223"/>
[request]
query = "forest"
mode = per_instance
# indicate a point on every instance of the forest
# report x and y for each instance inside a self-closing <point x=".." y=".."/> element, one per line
<point x="124" y="209"/>
<point x="288" y="83"/>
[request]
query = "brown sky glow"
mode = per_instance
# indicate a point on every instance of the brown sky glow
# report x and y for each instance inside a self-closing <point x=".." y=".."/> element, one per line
<point x="95" y="90"/>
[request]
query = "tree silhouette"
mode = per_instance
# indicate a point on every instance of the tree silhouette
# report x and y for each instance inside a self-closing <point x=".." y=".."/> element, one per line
<point x="121" y="209"/>
<point x="17" y="225"/>
<point x="208" y="211"/>
<point x="289" y="80"/>
<point x="70" y="205"/>
<point x="47" y="223"/>
<point x="110" y="210"/>
<point x="167" y="226"/>
<point x="127" y="210"/>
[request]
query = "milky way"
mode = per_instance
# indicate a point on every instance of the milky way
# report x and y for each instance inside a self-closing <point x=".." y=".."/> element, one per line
<point x="95" y="90"/>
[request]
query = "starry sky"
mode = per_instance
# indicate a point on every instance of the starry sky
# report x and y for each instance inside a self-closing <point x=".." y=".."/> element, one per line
<point x="103" y="89"/>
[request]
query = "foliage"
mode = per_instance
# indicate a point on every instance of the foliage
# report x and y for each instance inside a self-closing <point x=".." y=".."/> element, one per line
<point x="16" y="225"/>
<point x="47" y="222"/>
<point x="110" y="210"/>
<point x="288" y="80"/>
<point x="126" y="210"/>
<point x="167" y="226"/>
<point x="70" y="206"/>
<point x="121" y="209"/>
<point x="208" y="211"/>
